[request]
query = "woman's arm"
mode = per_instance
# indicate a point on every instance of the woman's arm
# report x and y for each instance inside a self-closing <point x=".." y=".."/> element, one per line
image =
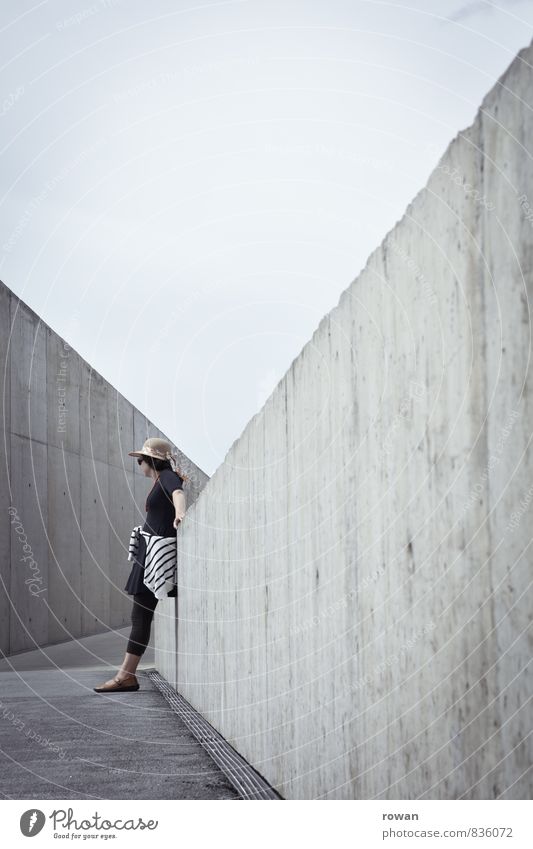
<point x="178" y="497"/>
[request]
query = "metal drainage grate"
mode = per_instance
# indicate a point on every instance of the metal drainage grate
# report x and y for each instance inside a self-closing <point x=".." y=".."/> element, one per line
<point x="246" y="780"/>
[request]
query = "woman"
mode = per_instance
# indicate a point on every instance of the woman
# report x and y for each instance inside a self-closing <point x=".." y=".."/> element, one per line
<point x="165" y="508"/>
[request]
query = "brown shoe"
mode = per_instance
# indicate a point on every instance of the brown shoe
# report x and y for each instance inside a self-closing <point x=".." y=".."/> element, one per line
<point x="117" y="686"/>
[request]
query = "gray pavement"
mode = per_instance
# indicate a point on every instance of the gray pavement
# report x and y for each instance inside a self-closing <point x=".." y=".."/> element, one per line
<point x="61" y="740"/>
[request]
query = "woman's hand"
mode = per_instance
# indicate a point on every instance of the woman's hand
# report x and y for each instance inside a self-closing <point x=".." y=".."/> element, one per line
<point x="178" y="497"/>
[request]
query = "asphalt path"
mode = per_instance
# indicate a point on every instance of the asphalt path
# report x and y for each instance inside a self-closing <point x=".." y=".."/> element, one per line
<point x="61" y="740"/>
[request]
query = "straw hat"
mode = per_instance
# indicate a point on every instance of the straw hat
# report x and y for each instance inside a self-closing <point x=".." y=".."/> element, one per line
<point x="160" y="449"/>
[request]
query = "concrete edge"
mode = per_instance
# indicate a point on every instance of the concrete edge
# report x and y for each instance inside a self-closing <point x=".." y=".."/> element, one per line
<point x="247" y="781"/>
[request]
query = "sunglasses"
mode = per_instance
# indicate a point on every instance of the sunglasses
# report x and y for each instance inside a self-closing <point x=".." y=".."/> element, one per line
<point x="140" y="460"/>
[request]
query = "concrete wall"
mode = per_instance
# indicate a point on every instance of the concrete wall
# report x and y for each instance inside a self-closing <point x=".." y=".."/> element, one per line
<point x="65" y="470"/>
<point x="354" y="595"/>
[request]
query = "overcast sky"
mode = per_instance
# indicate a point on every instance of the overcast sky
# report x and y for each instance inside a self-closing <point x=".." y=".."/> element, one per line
<point x="188" y="187"/>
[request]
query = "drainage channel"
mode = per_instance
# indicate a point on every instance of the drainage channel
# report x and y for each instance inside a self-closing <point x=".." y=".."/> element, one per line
<point x="246" y="780"/>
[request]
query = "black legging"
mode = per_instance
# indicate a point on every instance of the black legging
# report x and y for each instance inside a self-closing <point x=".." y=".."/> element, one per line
<point x="142" y="614"/>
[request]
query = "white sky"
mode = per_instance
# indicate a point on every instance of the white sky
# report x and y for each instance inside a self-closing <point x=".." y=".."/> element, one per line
<point x="188" y="187"/>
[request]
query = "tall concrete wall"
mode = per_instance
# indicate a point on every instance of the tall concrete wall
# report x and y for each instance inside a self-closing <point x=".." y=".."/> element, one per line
<point x="69" y="491"/>
<point x="355" y="595"/>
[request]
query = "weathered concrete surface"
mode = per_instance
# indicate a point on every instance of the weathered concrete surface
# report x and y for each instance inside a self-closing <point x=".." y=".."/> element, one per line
<point x="355" y="596"/>
<point x="65" y="470"/>
<point x="61" y="740"/>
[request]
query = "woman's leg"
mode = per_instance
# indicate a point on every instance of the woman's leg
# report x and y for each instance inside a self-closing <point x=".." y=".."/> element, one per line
<point x="142" y="613"/>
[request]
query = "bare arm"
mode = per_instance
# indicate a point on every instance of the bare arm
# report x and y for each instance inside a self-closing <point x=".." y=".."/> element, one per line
<point x="180" y="505"/>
